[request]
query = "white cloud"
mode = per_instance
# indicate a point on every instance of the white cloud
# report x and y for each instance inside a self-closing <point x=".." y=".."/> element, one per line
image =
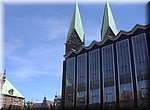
<point x="52" y="27"/>
<point x="55" y="27"/>
<point x="38" y="60"/>
<point x="44" y="55"/>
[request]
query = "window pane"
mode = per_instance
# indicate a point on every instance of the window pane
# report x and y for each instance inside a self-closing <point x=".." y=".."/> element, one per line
<point x="70" y="81"/>
<point x="81" y="79"/>
<point x="108" y="73"/>
<point x="81" y="98"/>
<point x="141" y="62"/>
<point x="94" y="65"/>
<point x="124" y="70"/>
<point x="81" y="68"/>
<point x="94" y="96"/>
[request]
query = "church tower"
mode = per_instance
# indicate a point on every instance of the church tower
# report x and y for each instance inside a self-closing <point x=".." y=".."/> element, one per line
<point x="75" y="37"/>
<point x="108" y="25"/>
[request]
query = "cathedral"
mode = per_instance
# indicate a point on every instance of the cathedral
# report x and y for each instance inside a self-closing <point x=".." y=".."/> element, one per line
<point x="109" y="74"/>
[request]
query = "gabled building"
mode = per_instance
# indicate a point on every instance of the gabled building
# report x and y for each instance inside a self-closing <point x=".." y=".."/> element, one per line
<point x="11" y="97"/>
<point x="45" y="105"/>
<point x="109" y="74"/>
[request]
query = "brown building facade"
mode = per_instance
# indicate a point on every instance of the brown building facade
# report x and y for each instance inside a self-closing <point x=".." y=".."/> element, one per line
<point x="11" y="97"/>
<point x="45" y="105"/>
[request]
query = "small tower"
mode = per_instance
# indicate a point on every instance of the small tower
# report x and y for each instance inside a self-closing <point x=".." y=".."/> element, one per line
<point x="75" y="36"/>
<point x="45" y="97"/>
<point x="44" y="104"/>
<point x="3" y="78"/>
<point x="4" y="75"/>
<point x="108" y="25"/>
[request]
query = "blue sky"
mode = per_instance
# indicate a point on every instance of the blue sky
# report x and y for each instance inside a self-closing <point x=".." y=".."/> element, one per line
<point x="34" y="37"/>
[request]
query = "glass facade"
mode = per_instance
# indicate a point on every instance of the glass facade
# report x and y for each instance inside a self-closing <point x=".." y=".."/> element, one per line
<point x="94" y="76"/>
<point x="70" y="81"/>
<point x="124" y="70"/>
<point x="141" y="62"/>
<point x="87" y="69"/>
<point x="81" y="79"/>
<point x="109" y="93"/>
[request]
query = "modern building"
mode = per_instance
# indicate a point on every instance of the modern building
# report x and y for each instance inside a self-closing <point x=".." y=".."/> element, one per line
<point x="11" y="97"/>
<point x="109" y="74"/>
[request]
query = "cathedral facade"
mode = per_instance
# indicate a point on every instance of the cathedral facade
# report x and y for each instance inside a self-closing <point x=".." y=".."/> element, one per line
<point x="112" y="73"/>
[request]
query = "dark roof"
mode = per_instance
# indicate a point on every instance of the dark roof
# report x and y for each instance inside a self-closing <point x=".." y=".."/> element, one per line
<point x="49" y="102"/>
<point x="37" y="104"/>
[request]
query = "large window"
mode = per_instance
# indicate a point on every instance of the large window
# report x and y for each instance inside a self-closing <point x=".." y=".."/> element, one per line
<point x="141" y="62"/>
<point x="124" y="70"/>
<point x="94" y="96"/>
<point x="109" y="94"/>
<point x="81" y="68"/>
<point x="108" y="74"/>
<point x="81" y="79"/>
<point x="94" y="76"/>
<point x="70" y="71"/>
<point x="94" y="65"/>
<point x="81" y="98"/>
<point x="70" y="81"/>
<point x="143" y="88"/>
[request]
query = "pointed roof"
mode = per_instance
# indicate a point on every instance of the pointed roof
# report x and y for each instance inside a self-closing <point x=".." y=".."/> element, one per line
<point x="76" y="24"/>
<point x="108" y="21"/>
<point x="9" y="89"/>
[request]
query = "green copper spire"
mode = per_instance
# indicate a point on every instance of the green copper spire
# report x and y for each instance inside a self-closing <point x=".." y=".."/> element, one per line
<point x="76" y="24"/>
<point x="108" y="23"/>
